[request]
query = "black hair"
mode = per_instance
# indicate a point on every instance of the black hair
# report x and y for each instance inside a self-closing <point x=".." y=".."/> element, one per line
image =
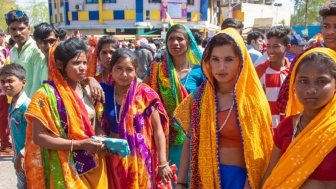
<point x="11" y="42"/>
<point x="13" y="16"/>
<point x="43" y="30"/>
<point x="198" y="38"/>
<point x="319" y="58"/>
<point x="205" y="42"/>
<point x="124" y="53"/>
<point x="107" y="40"/>
<point x="61" y="33"/>
<point x="232" y="23"/>
<point x="328" y="9"/>
<point x="13" y="69"/>
<point x="254" y="36"/>
<point x="280" y="32"/>
<point x="69" y="49"/>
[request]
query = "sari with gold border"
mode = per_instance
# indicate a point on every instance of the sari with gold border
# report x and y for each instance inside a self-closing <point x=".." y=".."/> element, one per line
<point x="63" y="114"/>
<point x="313" y="143"/>
<point x="198" y="118"/>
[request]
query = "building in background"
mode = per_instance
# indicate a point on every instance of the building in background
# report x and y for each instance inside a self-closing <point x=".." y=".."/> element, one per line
<point x="257" y="14"/>
<point x="129" y="17"/>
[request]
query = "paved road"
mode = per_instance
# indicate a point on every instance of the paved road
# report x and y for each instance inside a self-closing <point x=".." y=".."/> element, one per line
<point x="7" y="173"/>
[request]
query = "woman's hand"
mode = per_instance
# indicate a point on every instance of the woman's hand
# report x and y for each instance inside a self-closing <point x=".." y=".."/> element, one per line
<point x="96" y="90"/>
<point x="165" y="173"/>
<point x="89" y="145"/>
<point x="19" y="162"/>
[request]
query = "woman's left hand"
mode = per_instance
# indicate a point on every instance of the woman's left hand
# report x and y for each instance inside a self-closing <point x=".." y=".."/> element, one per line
<point x="165" y="173"/>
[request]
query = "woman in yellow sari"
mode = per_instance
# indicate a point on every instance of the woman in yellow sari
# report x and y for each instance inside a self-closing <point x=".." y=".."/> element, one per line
<point x="61" y="119"/>
<point x="304" y="150"/>
<point x="227" y="121"/>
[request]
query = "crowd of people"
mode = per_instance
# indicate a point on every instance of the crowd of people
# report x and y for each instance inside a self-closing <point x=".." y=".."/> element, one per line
<point x="198" y="113"/>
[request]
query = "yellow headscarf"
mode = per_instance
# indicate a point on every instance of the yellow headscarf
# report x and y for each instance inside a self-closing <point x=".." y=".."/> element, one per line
<point x="311" y="146"/>
<point x="254" y="119"/>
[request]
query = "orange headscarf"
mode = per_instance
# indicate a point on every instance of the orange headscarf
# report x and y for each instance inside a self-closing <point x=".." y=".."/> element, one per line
<point x="254" y="119"/>
<point x="312" y="145"/>
<point x="79" y="127"/>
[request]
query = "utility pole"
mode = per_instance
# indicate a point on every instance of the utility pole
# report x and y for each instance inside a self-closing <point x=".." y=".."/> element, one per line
<point x="306" y="14"/>
<point x="230" y="9"/>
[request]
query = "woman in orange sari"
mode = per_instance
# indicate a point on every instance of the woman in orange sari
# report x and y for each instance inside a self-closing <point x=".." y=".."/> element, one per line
<point x="61" y="119"/>
<point x="304" y="153"/>
<point x="227" y="121"/>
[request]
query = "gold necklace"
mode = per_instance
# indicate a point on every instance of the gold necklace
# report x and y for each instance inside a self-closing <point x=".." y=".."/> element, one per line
<point x="226" y="119"/>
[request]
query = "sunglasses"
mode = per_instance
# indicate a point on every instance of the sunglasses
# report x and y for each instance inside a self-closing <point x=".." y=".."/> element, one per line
<point x="15" y="14"/>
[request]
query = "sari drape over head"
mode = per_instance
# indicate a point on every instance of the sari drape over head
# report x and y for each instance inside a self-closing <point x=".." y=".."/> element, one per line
<point x="197" y="115"/>
<point x="64" y="115"/>
<point x="164" y="80"/>
<point x="139" y="169"/>
<point x="313" y="143"/>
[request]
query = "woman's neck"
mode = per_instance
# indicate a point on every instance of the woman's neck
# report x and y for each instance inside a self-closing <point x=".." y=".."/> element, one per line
<point x="120" y="90"/>
<point x="105" y="74"/>
<point x="224" y="88"/>
<point x="73" y="84"/>
<point x="180" y="62"/>
<point x="307" y="116"/>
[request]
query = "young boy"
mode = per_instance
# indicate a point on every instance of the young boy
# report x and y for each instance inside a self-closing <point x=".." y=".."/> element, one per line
<point x="12" y="81"/>
<point x="273" y="72"/>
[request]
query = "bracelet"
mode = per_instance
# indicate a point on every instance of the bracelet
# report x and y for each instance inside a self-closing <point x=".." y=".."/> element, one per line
<point x="163" y="165"/>
<point x="71" y="146"/>
<point x="183" y="184"/>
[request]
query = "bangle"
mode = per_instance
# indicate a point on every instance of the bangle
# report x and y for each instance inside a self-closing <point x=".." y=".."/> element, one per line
<point x="163" y="165"/>
<point x="183" y="184"/>
<point x="71" y="146"/>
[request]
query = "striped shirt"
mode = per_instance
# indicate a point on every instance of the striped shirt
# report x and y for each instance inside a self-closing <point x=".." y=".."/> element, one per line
<point x="271" y="79"/>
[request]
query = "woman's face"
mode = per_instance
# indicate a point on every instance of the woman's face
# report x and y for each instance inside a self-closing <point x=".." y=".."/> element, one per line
<point x="75" y="69"/>
<point x="314" y="85"/>
<point x="105" y="55"/>
<point x="123" y="72"/>
<point x="177" y="43"/>
<point x="224" y="64"/>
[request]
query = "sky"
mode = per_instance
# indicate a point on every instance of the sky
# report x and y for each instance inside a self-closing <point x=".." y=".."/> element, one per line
<point x="29" y="2"/>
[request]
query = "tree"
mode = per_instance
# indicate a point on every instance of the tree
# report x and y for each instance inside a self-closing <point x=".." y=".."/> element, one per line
<point x="37" y="11"/>
<point x="313" y="7"/>
<point x="6" y="6"/>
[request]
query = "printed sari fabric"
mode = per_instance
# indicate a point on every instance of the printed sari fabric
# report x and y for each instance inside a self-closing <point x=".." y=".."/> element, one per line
<point x="164" y="80"/>
<point x="197" y="115"/>
<point x="138" y="170"/>
<point x="313" y="143"/>
<point x="63" y="114"/>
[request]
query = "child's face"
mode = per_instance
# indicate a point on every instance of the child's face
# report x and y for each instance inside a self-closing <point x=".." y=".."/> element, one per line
<point x="123" y="72"/>
<point x="276" y="49"/>
<point x="11" y="85"/>
<point x="314" y="86"/>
